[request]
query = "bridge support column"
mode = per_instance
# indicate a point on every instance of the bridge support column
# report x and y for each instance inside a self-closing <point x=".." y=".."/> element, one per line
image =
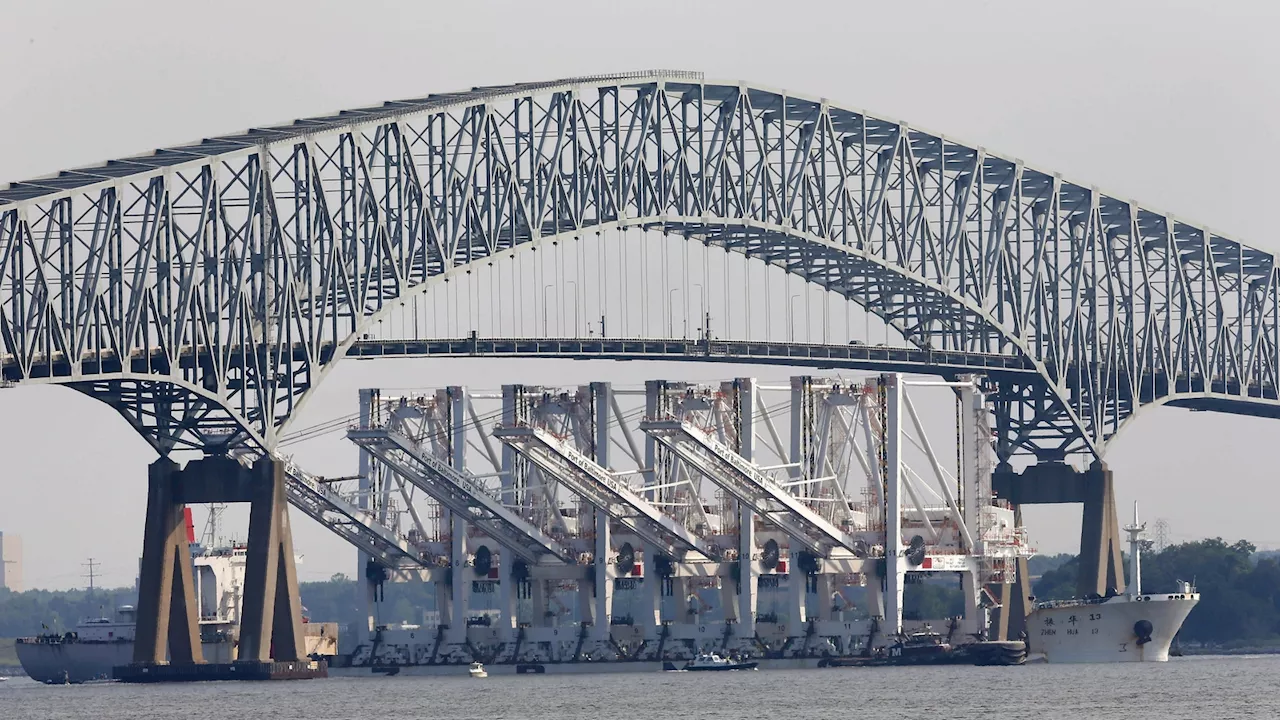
<point x="168" y="621"/>
<point x="271" y="615"/>
<point x="1009" y="620"/>
<point x="1101" y="568"/>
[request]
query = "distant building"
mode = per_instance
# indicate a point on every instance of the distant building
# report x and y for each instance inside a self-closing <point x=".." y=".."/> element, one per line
<point x="11" y="562"/>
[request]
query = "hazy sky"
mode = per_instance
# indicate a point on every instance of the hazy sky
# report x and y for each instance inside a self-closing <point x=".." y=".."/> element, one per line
<point x="1170" y="103"/>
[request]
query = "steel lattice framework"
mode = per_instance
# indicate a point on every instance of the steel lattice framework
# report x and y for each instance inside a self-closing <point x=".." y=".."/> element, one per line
<point x="202" y="290"/>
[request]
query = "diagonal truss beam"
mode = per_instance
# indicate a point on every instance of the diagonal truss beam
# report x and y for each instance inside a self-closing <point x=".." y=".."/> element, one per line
<point x="242" y="267"/>
<point x="604" y="491"/>
<point x="742" y="479"/>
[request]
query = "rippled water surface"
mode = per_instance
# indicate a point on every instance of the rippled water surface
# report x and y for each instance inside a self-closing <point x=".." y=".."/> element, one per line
<point x="1217" y="688"/>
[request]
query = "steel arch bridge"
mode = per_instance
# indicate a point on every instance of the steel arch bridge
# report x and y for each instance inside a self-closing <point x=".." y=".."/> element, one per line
<point x="203" y="290"/>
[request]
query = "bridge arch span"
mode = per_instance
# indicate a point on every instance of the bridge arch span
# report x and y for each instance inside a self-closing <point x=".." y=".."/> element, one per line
<point x="241" y="267"/>
<point x="857" y="277"/>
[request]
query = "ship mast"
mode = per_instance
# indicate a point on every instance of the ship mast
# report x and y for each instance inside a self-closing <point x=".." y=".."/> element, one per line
<point x="1135" y="553"/>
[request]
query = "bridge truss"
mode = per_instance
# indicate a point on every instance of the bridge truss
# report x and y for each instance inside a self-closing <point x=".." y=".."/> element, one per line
<point x="204" y="289"/>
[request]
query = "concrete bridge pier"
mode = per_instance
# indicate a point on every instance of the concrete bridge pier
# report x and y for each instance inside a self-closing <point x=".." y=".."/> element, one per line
<point x="1009" y="619"/>
<point x="271" y="609"/>
<point x="1101" y="567"/>
<point x="271" y="613"/>
<point x="168" y="618"/>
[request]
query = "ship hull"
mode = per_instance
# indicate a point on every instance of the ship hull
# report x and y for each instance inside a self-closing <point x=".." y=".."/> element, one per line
<point x="1108" y="632"/>
<point x="80" y="662"/>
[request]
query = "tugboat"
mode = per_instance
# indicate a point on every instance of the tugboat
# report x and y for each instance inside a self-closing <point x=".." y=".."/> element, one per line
<point x="923" y="648"/>
<point x="931" y="648"/>
<point x="713" y="662"/>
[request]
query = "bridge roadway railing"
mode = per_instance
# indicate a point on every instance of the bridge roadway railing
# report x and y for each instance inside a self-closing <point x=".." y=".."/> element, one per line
<point x="879" y="357"/>
<point x="461" y="493"/>
<point x="750" y="485"/>
<point x="603" y="490"/>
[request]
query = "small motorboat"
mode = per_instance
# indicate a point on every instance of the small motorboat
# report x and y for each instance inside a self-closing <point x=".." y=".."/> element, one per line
<point x="712" y="661"/>
<point x="477" y="670"/>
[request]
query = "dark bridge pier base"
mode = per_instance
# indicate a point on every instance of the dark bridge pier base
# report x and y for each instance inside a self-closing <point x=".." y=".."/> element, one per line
<point x="168" y="622"/>
<point x="271" y="622"/>
<point x="1101" y="567"/>
<point x="271" y="609"/>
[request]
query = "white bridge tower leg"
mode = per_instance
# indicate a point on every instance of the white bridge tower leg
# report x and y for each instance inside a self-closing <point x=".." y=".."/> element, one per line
<point x="651" y="586"/>
<point x="459" y="577"/>
<point x="747" y="569"/>
<point x="602" y="395"/>
<point x="895" y="565"/>
<point x="366" y="590"/>
<point x="797" y="579"/>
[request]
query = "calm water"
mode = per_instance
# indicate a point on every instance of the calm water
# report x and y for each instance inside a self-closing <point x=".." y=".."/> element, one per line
<point x="1200" y="688"/>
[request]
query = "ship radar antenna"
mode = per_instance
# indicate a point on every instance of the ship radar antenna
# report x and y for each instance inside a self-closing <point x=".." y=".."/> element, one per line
<point x="1135" y="553"/>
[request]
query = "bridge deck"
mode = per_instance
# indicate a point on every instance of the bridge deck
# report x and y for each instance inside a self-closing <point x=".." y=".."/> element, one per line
<point x="854" y="355"/>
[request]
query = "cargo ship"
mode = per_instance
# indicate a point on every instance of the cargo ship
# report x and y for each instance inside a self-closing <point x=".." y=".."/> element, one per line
<point x="88" y="652"/>
<point x="1130" y="627"/>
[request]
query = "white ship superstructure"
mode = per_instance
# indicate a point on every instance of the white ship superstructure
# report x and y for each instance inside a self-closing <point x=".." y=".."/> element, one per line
<point x="1130" y="627"/>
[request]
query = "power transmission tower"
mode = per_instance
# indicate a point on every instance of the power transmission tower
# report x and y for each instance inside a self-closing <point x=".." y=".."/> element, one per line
<point x="1162" y="534"/>
<point x="92" y="574"/>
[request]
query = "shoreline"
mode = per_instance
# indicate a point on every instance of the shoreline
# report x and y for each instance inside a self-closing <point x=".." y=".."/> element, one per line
<point x="1267" y="650"/>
